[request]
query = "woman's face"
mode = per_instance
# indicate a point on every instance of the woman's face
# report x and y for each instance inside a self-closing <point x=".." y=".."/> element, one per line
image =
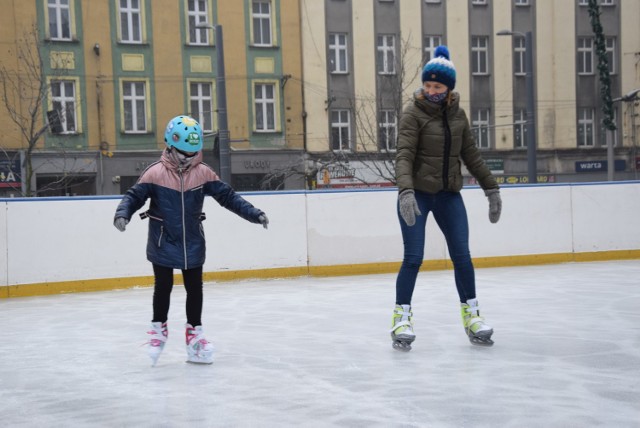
<point x="434" y="88"/>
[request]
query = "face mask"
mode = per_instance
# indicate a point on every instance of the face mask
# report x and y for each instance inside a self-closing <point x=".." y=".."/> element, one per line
<point x="437" y="98"/>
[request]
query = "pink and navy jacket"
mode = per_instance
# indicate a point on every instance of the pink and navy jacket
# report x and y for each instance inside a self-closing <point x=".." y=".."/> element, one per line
<point x="176" y="236"/>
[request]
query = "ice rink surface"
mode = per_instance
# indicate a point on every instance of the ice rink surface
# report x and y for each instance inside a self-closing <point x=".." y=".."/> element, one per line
<point x="316" y="352"/>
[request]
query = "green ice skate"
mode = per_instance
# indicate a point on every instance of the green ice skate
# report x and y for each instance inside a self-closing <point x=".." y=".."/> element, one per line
<point x="402" y="328"/>
<point x="479" y="333"/>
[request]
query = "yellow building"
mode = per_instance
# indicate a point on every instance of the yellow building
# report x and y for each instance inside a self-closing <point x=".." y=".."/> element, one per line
<point x="117" y="71"/>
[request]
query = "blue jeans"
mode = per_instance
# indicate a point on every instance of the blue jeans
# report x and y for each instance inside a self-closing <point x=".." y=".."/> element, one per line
<point x="450" y="214"/>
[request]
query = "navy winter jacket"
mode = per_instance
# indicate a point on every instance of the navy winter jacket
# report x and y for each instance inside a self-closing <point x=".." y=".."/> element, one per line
<point x="176" y="237"/>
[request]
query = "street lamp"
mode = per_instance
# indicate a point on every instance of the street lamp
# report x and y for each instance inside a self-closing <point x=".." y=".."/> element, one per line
<point x="532" y="168"/>
<point x="221" y="101"/>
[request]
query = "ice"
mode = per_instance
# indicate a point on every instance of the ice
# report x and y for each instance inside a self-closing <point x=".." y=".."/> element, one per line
<point x="316" y="352"/>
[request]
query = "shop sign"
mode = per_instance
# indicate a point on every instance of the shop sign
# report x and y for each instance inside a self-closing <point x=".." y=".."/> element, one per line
<point x="10" y="173"/>
<point x="600" y="165"/>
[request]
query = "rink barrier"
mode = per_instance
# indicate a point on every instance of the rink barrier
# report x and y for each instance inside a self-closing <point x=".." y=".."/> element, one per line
<point x="64" y="245"/>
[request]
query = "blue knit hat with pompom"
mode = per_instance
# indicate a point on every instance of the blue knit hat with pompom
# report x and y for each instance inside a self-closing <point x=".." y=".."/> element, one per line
<point x="440" y="68"/>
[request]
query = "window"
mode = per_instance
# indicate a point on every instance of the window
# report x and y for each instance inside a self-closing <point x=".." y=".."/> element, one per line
<point x="340" y="130"/>
<point x="480" y="55"/>
<point x="433" y="1"/>
<point x="522" y="2"/>
<point x="338" y="53"/>
<point x="388" y="130"/>
<point x="478" y="2"/>
<point x="583" y="2"/>
<point x="430" y="45"/>
<point x="480" y="127"/>
<point x="585" y="127"/>
<point x="59" y="19"/>
<point x="520" y="129"/>
<point x="608" y="3"/>
<point x="519" y="48"/>
<point x="610" y="44"/>
<point x="585" y="55"/>
<point x="386" y="54"/>
<point x="134" y="102"/>
<point x="130" y="21"/>
<point x="265" y="106"/>
<point x="201" y="100"/>
<point x="197" y="13"/>
<point x="63" y="100"/>
<point x="261" y="14"/>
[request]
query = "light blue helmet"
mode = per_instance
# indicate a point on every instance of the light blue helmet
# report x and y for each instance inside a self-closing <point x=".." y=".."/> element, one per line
<point x="184" y="133"/>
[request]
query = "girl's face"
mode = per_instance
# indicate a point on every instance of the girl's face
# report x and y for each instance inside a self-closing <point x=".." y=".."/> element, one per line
<point x="434" y="88"/>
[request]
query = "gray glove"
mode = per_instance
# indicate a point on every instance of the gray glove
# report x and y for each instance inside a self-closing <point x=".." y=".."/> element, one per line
<point x="120" y="223"/>
<point x="408" y="206"/>
<point x="264" y="221"/>
<point x="495" y="204"/>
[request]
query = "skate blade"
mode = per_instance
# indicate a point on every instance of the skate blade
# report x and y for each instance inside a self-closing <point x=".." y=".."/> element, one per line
<point x="479" y="341"/>
<point x="199" y="362"/>
<point x="402" y="346"/>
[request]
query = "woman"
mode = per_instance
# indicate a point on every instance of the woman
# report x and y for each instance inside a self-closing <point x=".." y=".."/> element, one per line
<point x="434" y="137"/>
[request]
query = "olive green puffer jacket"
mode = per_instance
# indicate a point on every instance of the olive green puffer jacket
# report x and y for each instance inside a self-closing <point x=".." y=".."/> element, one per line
<point x="430" y="161"/>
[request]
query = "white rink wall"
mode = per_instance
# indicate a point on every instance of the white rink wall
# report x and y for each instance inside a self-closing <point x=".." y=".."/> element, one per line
<point x="49" y="240"/>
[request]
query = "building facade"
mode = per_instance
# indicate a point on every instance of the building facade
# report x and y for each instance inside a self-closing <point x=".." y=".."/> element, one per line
<point x="314" y="89"/>
<point x="116" y="71"/>
<point x="357" y="52"/>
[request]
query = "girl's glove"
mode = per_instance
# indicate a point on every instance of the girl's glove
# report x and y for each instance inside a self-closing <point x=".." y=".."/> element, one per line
<point x="408" y="206"/>
<point x="495" y="204"/>
<point x="264" y="221"/>
<point x="120" y="223"/>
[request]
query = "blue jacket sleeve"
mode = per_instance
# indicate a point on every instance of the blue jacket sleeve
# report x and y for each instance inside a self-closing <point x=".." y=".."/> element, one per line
<point x="228" y="198"/>
<point x="133" y="200"/>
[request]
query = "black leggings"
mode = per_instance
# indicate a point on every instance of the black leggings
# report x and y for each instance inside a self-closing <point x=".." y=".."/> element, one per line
<point x="162" y="293"/>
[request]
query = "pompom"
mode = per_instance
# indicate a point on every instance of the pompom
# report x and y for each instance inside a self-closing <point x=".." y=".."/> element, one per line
<point x="441" y="51"/>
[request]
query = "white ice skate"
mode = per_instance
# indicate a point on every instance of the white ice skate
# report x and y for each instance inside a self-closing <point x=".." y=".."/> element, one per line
<point x="159" y="334"/>
<point x="199" y="349"/>
<point x="402" y="333"/>
<point x="479" y="333"/>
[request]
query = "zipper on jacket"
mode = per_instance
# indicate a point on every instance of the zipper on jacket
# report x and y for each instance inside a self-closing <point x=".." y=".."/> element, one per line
<point x="160" y="237"/>
<point x="447" y="149"/>
<point x="184" y="228"/>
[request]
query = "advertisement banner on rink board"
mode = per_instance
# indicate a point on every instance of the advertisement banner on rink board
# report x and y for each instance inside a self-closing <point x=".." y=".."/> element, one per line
<point x="517" y="179"/>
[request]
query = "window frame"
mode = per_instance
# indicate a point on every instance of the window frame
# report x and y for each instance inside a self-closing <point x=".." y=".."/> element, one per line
<point x="585" y="56"/>
<point x="520" y="124"/>
<point x="341" y="127"/>
<point x="261" y="17"/>
<point x="480" y="56"/>
<point x="586" y="119"/>
<point x="198" y="36"/>
<point x="336" y="51"/>
<point x="64" y="99"/>
<point x="263" y="104"/>
<point x="519" y="54"/>
<point x="58" y="8"/>
<point x="610" y="49"/>
<point x="133" y="98"/>
<point x="430" y="46"/>
<point x="130" y="12"/>
<point x="388" y="128"/>
<point x="386" y="54"/>
<point x="199" y="98"/>
<point x="479" y="123"/>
